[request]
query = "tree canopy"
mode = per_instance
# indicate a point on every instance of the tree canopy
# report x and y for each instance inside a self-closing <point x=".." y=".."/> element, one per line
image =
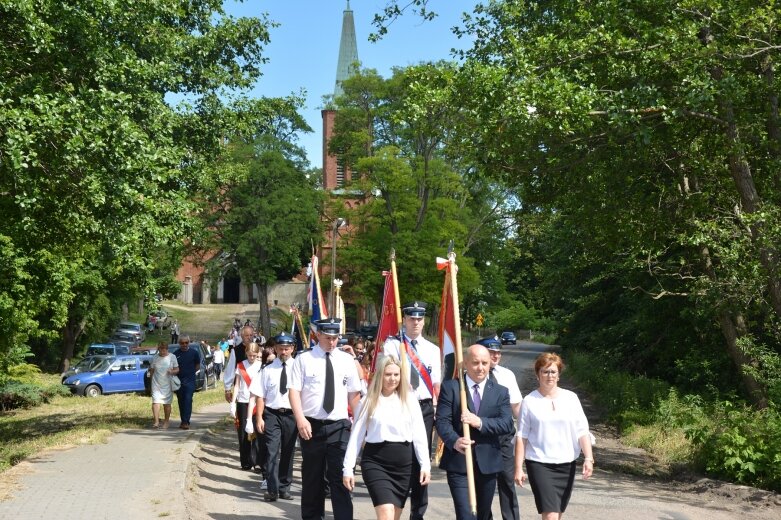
<point x="98" y="168"/>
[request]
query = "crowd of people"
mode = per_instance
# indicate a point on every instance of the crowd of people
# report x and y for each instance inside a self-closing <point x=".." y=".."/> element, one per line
<point x="323" y="399"/>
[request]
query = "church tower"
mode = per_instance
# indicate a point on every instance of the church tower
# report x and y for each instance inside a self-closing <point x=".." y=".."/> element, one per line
<point x="335" y="175"/>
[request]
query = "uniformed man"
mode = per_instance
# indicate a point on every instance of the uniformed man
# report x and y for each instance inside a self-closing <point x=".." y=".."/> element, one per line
<point x="275" y="419"/>
<point x="508" y="500"/>
<point x="323" y="381"/>
<point x="425" y="377"/>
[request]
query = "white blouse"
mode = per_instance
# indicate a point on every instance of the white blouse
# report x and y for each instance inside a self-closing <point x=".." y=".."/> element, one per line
<point x="391" y="422"/>
<point x="254" y="371"/>
<point x="552" y="426"/>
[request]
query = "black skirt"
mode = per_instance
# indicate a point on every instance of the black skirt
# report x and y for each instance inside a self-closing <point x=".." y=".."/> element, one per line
<point x="551" y="485"/>
<point x="387" y="471"/>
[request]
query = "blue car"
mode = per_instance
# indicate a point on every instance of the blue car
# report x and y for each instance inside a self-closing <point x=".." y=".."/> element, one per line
<point x="112" y="374"/>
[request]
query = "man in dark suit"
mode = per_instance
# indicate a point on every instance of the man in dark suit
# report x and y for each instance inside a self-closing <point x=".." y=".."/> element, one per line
<point x="489" y="418"/>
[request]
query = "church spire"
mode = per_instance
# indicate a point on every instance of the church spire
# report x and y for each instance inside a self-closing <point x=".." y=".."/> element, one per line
<point x="348" y="51"/>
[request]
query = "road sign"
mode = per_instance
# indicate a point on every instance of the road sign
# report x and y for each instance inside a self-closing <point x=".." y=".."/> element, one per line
<point x="479" y="320"/>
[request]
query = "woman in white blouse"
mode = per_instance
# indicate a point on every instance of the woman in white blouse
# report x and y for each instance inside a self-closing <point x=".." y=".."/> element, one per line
<point x="552" y="432"/>
<point x="389" y="420"/>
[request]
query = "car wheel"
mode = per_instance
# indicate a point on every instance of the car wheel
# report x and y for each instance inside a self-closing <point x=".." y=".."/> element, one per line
<point x="92" y="391"/>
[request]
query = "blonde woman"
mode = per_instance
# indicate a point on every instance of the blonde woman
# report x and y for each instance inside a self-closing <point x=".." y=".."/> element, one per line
<point x="390" y="422"/>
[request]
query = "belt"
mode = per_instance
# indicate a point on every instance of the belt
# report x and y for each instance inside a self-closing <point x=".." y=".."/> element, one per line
<point x="280" y="411"/>
<point x="324" y="421"/>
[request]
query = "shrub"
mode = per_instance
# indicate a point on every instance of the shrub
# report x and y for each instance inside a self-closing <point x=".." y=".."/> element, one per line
<point x="741" y="444"/>
<point x="15" y="394"/>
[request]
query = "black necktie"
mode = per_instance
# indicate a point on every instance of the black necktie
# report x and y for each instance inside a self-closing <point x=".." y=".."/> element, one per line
<point x="491" y="375"/>
<point x="283" y="380"/>
<point x="414" y="378"/>
<point x="328" y="401"/>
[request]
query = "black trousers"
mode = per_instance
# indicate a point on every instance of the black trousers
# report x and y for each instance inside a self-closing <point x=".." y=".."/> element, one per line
<point x="508" y="499"/>
<point x="250" y="451"/>
<point x="323" y="455"/>
<point x="419" y="495"/>
<point x="485" y="487"/>
<point x="281" y="434"/>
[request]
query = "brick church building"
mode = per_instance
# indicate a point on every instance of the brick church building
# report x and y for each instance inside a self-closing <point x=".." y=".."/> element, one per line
<point x="197" y="288"/>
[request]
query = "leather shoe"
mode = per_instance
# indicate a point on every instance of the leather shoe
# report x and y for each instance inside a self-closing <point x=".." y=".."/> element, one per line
<point x="284" y="495"/>
<point x="269" y="497"/>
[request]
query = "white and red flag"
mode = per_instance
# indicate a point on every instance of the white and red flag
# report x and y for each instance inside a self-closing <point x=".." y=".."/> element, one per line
<point x="447" y="323"/>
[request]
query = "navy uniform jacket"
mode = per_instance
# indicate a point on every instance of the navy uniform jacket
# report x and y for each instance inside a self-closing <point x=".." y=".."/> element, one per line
<point x="497" y="421"/>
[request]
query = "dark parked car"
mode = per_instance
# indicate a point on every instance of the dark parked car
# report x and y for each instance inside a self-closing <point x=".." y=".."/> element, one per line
<point x="107" y="349"/>
<point x="126" y="340"/>
<point x="113" y="374"/>
<point x="135" y="329"/>
<point x="508" y="338"/>
<point x="205" y="376"/>
<point x="367" y="332"/>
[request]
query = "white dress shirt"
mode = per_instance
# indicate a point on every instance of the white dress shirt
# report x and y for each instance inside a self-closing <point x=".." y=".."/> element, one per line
<point x="308" y="377"/>
<point x="429" y="356"/>
<point x="552" y="426"/>
<point x="267" y="385"/>
<point x="391" y="422"/>
<point x="506" y="378"/>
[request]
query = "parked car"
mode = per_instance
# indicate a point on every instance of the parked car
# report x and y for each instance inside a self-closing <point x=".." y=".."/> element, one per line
<point x="107" y="349"/>
<point x="130" y="327"/>
<point x="508" y="338"/>
<point x="164" y="319"/>
<point x="142" y="350"/>
<point x="125" y="339"/>
<point x="85" y="365"/>
<point x="367" y="332"/>
<point x="113" y="374"/>
<point x="205" y="376"/>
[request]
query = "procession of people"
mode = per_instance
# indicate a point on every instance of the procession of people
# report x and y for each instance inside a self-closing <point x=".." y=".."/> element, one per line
<point x="393" y="409"/>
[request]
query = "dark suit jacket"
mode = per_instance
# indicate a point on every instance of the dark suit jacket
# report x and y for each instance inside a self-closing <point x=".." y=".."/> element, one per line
<point x="497" y="418"/>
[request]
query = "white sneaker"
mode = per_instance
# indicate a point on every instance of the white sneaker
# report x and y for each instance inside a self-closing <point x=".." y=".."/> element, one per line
<point x="263" y="485"/>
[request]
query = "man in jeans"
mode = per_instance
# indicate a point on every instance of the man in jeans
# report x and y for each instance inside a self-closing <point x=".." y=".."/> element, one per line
<point x="189" y="363"/>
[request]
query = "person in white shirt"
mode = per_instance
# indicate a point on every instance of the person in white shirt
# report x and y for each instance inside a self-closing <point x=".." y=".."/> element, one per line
<point x="322" y="382"/>
<point x="219" y="361"/>
<point x="552" y="433"/>
<point x="390" y="422"/>
<point x="236" y="355"/>
<point x="425" y="377"/>
<point x="275" y="419"/>
<point x="508" y="499"/>
<point x="246" y="372"/>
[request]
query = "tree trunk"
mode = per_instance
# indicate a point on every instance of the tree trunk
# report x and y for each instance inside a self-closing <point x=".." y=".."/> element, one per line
<point x="70" y="335"/>
<point x="732" y="323"/>
<point x="265" y="315"/>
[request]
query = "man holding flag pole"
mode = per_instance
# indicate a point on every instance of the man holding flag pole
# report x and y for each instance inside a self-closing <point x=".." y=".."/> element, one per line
<point x="469" y="426"/>
<point x="425" y="371"/>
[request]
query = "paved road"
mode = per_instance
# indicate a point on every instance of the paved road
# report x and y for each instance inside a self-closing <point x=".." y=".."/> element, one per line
<point x="146" y="474"/>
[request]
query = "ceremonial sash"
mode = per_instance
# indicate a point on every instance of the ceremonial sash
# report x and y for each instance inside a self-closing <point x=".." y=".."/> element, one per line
<point x="418" y="364"/>
<point x="247" y="379"/>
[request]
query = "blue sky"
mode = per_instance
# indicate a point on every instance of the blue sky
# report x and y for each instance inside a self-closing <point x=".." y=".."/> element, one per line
<point x="304" y="48"/>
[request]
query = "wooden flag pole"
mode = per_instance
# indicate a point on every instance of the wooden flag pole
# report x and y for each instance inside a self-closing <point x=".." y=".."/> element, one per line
<point x="470" y="472"/>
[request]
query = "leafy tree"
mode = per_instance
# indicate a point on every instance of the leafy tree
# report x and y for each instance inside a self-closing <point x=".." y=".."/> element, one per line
<point x="651" y="129"/>
<point x="98" y="169"/>
<point x="272" y="216"/>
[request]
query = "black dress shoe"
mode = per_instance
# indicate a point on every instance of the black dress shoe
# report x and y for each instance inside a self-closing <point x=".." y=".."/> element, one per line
<point x="269" y="497"/>
<point x="284" y="495"/>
